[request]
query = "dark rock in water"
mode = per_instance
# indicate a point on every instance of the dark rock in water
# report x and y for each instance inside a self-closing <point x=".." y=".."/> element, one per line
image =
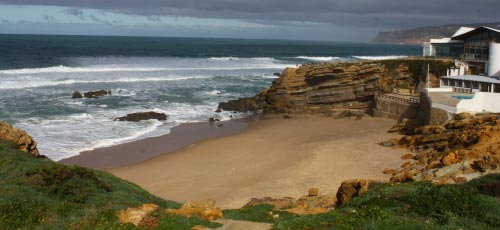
<point x="96" y="94"/>
<point x="136" y="117"/>
<point x="218" y="110"/>
<point x="77" y="94"/>
<point x="277" y="74"/>
<point x="212" y="120"/>
<point x="240" y="105"/>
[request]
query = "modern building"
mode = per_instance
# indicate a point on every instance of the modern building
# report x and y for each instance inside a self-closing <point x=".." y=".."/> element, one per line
<point x="476" y="72"/>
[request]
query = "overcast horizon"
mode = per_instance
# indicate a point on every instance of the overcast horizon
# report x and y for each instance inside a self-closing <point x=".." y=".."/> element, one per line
<point x="326" y="20"/>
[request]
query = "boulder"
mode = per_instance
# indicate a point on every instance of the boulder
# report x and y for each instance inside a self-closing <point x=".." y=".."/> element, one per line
<point x="278" y="203"/>
<point x="76" y="95"/>
<point x="350" y="189"/>
<point x="136" y="117"/>
<point x="96" y="94"/>
<point x="313" y="204"/>
<point x="203" y="209"/>
<point x="136" y="215"/>
<point x="20" y="138"/>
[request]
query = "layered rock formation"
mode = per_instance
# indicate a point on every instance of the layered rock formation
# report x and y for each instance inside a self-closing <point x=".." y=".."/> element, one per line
<point x="136" y="117"/>
<point x="461" y="149"/>
<point x="20" y="138"/>
<point x="203" y="209"/>
<point x="330" y="87"/>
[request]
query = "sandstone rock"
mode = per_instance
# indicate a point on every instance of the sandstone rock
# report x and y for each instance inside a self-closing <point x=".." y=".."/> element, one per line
<point x="350" y="189"/>
<point x="278" y="203"/>
<point x="203" y="209"/>
<point x="313" y="192"/>
<point x="20" y="138"/>
<point x="313" y="203"/>
<point x="320" y="88"/>
<point x="407" y="156"/>
<point x="389" y="171"/>
<point x="136" y="117"/>
<point x="76" y="95"/>
<point x="466" y="144"/>
<point x="136" y="215"/>
<point x="406" y="165"/>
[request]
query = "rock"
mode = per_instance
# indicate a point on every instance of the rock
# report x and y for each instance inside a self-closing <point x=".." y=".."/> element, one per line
<point x="203" y="209"/>
<point x="322" y="87"/>
<point x="136" y="117"/>
<point x="389" y="171"/>
<point x="350" y="189"/>
<point x="406" y="165"/>
<point x="218" y="110"/>
<point x="96" y="94"/>
<point x="408" y="156"/>
<point x="313" y="204"/>
<point x="136" y="215"/>
<point x="313" y="192"/>
<point x="278" y="203"/>
<point x="213" y="120"/>
<point x="20" y="138"/>
<point x="467" y="144"/>
<point x="76" y="95"/>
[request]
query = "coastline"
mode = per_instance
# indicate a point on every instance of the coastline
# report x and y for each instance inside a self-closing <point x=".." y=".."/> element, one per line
<point x="272" y="157"/>
<point x="137" y="151"/>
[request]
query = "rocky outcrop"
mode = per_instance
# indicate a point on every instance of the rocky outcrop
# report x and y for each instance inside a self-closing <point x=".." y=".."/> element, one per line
<point x="277" y="203"/>
<point x="313" y="203"/>
<point x="136" y="117"/>
<point x="461" y="149"/>
<point x="329" y="87"/>
<point x="203" y="209"/>
<point x="91" y="94"/>
<point x="20" y="138"/>
<point x="350" y="189"/>
<point x="136" y="215"/>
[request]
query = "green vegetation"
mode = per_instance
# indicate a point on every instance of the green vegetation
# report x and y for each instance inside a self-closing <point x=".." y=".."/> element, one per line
<point x="418" y="205"/>
<point x="41" y="194"/>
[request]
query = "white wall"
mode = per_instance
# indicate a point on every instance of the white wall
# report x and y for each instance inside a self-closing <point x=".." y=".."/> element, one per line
<point x="482" y="102"/>
<point x="494" y="61"/>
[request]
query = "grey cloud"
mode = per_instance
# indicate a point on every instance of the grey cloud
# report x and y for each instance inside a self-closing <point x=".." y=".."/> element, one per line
<point x="362" y="14"/>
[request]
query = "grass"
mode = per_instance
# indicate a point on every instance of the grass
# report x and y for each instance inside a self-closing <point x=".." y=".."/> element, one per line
<point x="417" y="205"/>
<point x="41" y="194"/>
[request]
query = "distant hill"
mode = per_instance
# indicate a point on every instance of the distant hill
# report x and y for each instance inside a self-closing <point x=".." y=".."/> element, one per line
<point x="420" y="35"/>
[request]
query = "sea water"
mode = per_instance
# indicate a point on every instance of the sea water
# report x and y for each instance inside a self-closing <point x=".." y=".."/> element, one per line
<point x="185" y="78"/>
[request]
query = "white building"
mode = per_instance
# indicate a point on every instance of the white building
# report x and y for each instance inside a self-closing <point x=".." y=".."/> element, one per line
<point x="476" y="71"/>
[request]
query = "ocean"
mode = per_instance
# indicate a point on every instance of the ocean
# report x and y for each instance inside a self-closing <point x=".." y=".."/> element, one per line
<point x="185" y="78"/>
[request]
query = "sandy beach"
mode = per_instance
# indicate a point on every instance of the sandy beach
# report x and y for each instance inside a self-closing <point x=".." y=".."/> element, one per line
<point x="276" y="157"/>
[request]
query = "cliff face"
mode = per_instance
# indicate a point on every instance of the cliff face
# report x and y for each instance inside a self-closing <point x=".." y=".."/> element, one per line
<point x="420" y="35"/>
<point x="328" y="87"/>
<point x="20" y="138"/>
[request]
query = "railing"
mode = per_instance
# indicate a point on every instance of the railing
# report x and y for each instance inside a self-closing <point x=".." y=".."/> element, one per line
<point x="462" y="90"/>
<point x="409" y="100"/>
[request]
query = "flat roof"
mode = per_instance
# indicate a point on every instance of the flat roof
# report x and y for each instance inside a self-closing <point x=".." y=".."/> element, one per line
<point x="474" y="78"/>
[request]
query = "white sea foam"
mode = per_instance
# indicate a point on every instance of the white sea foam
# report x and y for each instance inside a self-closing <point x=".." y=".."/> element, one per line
<point x="319" y="58"/>
<point x="35" y="84"/>
<point x="379" y="57"/>
<point x="224" y="58"/>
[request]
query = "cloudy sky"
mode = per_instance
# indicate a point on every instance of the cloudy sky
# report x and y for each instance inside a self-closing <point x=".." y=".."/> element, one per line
<point x="337" y="20"/>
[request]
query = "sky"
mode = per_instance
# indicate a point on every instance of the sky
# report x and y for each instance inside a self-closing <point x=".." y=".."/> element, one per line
<point x="331" y="20"/>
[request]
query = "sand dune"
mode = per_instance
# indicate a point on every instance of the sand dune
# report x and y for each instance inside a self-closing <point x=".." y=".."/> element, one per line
<point x="278" y="157"/>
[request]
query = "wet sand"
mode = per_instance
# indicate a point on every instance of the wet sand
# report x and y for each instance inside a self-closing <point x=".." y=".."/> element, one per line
<point x="276" y="157"/>
<point x="142" y="150"/>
